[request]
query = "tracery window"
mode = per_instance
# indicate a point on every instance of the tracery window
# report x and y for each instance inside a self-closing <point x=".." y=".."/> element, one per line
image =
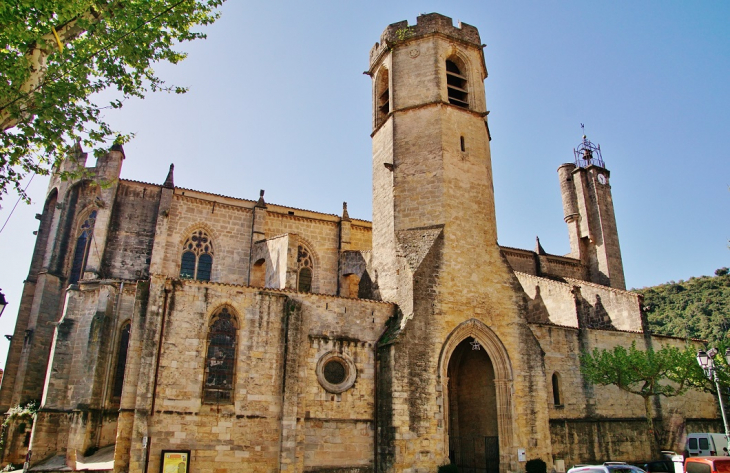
<point x="121" y="360"/>
<point x="456" y="84"/>
<point x="220" y="359"/>
<point x="81" y="253"/>
<point x="197" y="257"/>
<point x="305" y="269"/>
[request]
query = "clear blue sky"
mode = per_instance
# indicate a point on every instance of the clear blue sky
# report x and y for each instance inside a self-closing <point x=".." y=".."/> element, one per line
<point x="278" y="101"/>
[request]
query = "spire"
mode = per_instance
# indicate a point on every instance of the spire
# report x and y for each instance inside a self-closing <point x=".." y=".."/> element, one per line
<point x="261" y="203"/>
<point x="170" y="181"/>
<point x="345" y="215"/>
<point x="538" y="247"/>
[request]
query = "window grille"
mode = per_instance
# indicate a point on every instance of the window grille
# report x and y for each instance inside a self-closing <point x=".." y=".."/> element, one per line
<point x="220" y="359"/>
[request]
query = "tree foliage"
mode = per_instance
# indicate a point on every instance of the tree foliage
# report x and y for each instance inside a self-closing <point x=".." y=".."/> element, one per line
<point x="698" y="308"/>
<point x="646" y="373"/>
<point x="57" y="55"/>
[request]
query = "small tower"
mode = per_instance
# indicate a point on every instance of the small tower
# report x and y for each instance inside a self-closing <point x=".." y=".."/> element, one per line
<point x="588" y="210"/>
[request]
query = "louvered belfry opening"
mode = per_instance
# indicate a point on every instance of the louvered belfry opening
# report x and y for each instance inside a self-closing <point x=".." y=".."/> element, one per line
<point x="383" y="96"/>
<point x="456" y="84"/>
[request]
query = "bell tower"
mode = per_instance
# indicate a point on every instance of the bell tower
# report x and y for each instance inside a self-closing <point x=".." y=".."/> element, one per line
<point x="588" y="211"/>
<point x="431" y="156"/>
<point x="435" y="254"/>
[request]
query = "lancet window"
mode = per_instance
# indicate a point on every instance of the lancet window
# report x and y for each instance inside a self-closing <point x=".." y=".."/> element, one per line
<point x="197" y="257"/>
<point x="121" y="360"/>
<point x="382" y="96"/>
<point x="220" y="360"/>
<point x="83" y="244"/>
<point x="305" y="271"/>
<point x="456" y="84"/>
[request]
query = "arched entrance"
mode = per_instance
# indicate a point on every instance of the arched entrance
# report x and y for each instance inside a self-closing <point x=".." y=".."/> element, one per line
<point x="473" y="427"/>
<point x="477" y="379"/>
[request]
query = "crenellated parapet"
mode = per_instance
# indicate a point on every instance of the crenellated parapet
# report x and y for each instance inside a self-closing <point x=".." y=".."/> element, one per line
<point x="426" y="24"/>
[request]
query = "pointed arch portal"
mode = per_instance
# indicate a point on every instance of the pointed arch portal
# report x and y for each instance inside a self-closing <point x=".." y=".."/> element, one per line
<point x="476" y="376"/>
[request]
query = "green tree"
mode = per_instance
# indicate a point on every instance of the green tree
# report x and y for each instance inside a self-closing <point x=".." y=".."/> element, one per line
<point x="645" y="373"/>
<point x="57" y="55"/>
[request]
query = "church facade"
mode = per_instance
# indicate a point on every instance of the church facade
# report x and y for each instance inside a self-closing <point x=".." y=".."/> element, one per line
<point x="174" y="328"/>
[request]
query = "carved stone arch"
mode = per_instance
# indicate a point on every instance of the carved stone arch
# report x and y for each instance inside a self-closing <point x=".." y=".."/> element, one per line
<point x="235" y="314"/>
<point x="486" y="338"/>
<point x="492" y="345"/>
<point x="197" y="226"/>
<point x="317" y="268"/>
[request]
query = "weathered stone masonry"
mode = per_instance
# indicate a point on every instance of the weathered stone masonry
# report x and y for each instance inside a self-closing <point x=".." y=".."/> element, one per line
<point x="262" y="338"/>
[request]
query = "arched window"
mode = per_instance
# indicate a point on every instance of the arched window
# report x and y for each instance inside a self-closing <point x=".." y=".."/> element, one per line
<point x="456" y="84"/>
<point x="220" y="359"/>
<point x="557" y="401"/>
<point x="382" y="96"/>
<point x="197" y="257"/>
<point x="81" y="253"/>
<point x="121" y="360"/>
<point x="305" y="270"/>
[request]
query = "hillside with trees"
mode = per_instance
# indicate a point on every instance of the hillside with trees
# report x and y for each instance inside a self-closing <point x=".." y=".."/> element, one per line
<point x="697" y="308"/>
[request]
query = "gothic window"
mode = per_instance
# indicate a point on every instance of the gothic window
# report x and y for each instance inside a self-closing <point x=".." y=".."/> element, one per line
<point x="121" y="360"/>
<point x="220" y="359"/>
<point x="305" y="270"/>
<point x="557" y="401"/>
<point x="81" y="253"/>
<point x="197" y="257"/>
<point x="456" y="84"/>
<point x="382" y="96"/>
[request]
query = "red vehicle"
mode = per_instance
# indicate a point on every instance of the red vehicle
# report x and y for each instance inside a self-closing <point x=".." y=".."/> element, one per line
<point x="707" y="465"/>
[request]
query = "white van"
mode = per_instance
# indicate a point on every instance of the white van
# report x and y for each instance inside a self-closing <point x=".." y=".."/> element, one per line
<point x="706" y="444"/>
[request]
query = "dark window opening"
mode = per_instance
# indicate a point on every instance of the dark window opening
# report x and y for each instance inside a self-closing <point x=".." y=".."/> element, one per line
<point x="121" y="361"/>
<point x="205" y="264"/>
<point x="556" y="390"/>
<point x="81" y="253"/>
<point x="456" y="85"/>
<point x="463" y="144"/>
<point x="220" y="359"/>
<point x="305" y="280"/>
<point x="382" y="96"/>
<point x="335" y="371"/>
<point x="187" y="267"/>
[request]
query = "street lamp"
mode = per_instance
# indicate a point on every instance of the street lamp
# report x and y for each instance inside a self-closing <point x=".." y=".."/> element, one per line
<point x="3" y="303"/>
<point x="707" y="363"/>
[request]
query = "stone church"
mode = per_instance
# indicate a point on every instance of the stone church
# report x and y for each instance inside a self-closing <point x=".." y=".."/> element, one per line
<point x="170" y="329"/>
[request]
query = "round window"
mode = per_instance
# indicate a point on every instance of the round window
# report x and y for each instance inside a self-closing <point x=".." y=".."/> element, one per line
<point x="336" y="372"/>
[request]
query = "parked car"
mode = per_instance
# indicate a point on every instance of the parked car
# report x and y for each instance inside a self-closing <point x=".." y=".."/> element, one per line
<point x="707" y="465"/>
<point x="662" y="466"/>
<point x="607" y="467"/>
<point x="706" y="444"/>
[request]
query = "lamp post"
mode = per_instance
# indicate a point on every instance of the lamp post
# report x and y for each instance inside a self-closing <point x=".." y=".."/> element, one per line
<point x="707" y="363"/>
<point x="3" y="302"/>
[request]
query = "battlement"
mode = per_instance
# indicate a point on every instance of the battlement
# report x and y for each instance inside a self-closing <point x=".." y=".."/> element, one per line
<point x="427" y="24"/>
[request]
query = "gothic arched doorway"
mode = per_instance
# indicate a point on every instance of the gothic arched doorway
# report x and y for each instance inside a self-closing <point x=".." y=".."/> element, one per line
<point x="473" y="426"/>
